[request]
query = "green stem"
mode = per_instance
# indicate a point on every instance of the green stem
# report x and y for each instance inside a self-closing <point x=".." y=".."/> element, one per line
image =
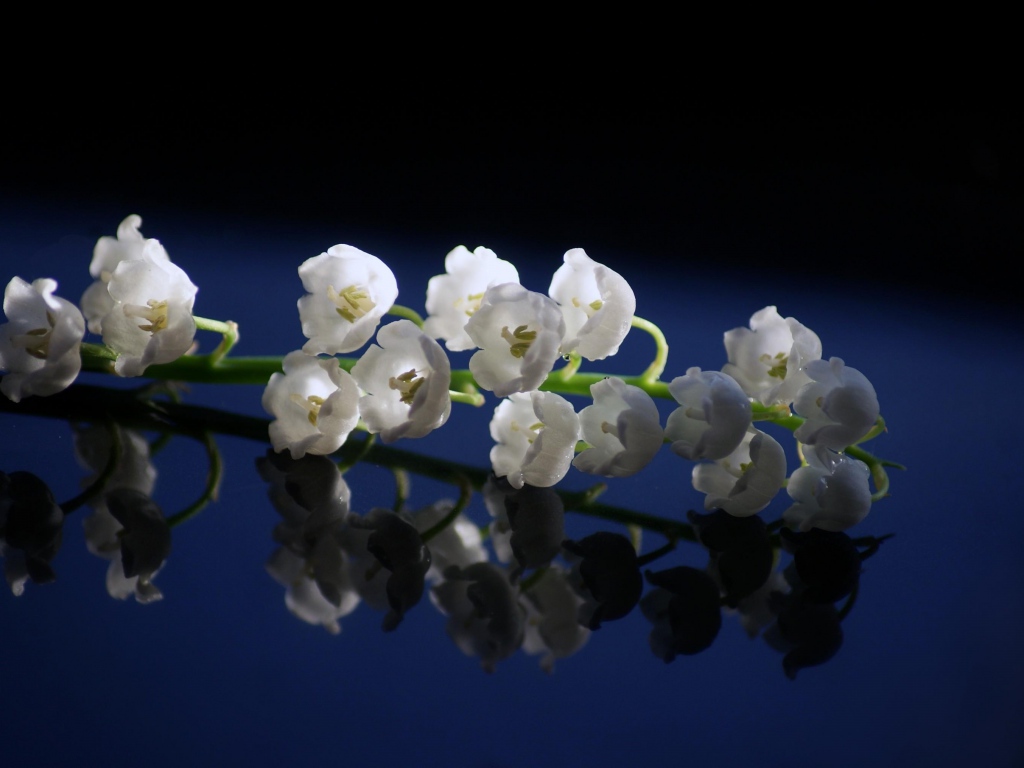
<point x="657" y="366"/>
<point x="229" y="336"/>
<point x="399" y="311"/>
<point x="213" y="476"/>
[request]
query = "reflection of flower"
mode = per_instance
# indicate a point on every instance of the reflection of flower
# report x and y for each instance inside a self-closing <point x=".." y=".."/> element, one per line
<point x="145" y="543"/>
<point x="684" y="608"/>
<point x="453" y="297"/>
<point x="40" y="343"/>
<point x="740" y="549"/>
<point x="622" y="427"/>
<point x="151" y="321"/>
<point x="518" y="332"/>
<point x="552" y="628"/>
<point x="766" y="359"/>
<point x="606" y="574"/>
<point x="536" y="436"/>
<point x="31" y="529"/>
<point x="745" y="481"/>
<point x="347" y="293"/>
<point x="830" y="493"/>
<point x="712" y="417"/>
<point x="529" y="523"/>
<point x="839" y="404"/>
<point x="315" y="405"/>
<point x="597" y="304"/>
<point x="458" y="543"/>
<point x="407" y="380"/>
<point x="129" y="245"/>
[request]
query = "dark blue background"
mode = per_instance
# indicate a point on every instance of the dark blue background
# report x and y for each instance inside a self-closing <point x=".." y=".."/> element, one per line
<point x="707" y="233"/>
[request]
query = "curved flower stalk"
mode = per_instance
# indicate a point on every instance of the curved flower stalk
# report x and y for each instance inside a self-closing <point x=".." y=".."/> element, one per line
<point x="831" y="492"/>
<point x="552" y="628"/>
<point x="744" y="482"/>
<point x="712" y="417"/>
<point x="536" y="435"/>
<point x="151" y="321"/>
<point x="315" y="405"/>
<point x="128" y="245"/>
<point x="597" y="304"/>
<point x="347" y="293"/>
<point x="768" y="357"/>
<point x="623" y="430"/>
<point x="406" y="380"/>
<point x="840" y="405"/>
<point x="453" y="298"/>
<point x="518" y="333"/>
<point x="40" y="342"/>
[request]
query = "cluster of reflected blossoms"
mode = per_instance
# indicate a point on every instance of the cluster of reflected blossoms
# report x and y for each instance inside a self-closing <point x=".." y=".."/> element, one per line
<point x="401" y="385"/>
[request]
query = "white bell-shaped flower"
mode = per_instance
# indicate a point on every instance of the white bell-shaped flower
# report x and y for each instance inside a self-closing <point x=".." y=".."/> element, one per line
<point x="315" y="405"/>
<point x="597" y="304"/>
<point x="151" y="321"/>
<point x="712" y="417"/>
<point x="347" y="293"/>
<point x="453" y="298"/>
<point x="41" y="341"/>
<point x="840" y="405"/>
<point x="622" y="427"/>
<point x="832" y="492"/>
<point x="744" y="482"/>
<point x="303" y="596"/>
<point x="407" y="380"/>
<point x="129" y="245"/>
<point x="518" y="332"/>
<point x="536" y="435"/>
<point x="766" y="358"/>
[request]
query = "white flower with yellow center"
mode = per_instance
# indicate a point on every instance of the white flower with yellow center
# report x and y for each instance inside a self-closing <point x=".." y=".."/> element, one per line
<point x="766" y="358"/>
<point x="831" y="492"/>
<point x="597" y="304"/>
<point x="406" y="380"/>
<point x="840" y="405"/>
<point x="151" y="321"/>
<point x="453" y="298"/>
<point x="348" y="292"/>
<point x="40" y="344"/>
<point x="518" y="333"/>
<point x="623" y="430"/>
<point x="744" y="482"/>
<point x="315" y="405"/>
<point x="129" y="245"/>
<point x="712" y="417"/>
<point x="536" y="435"/>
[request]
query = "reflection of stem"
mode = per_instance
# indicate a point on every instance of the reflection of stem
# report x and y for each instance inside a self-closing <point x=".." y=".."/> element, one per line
<point x="401" y="488"/>
<point x="210" y="491"/>
<point x="845" y="610"/>
<point x="650" y="557"/>
<point x="657" y="366"/>
<point x="96" y="487"/>
<point x="465" y="494"/>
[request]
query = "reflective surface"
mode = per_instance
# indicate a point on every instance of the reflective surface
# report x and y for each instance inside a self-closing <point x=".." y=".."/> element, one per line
<point x="921" y="667"/>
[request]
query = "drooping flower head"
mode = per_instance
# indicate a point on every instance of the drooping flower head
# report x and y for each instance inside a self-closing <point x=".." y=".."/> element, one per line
<point x="597" y="304"/>
<point x="315" y="405"/>
<point x="622" y="427"/>
<point x="407" y="380"/>
<point x="536" y="435"/>
<point x="744" y="482"/>
<point x="518" y="332"/>
<point x="151" y="321"/>
<point x="40" y="344"/>
<point x="129" y="245"/>
<point x="766" y="358"/>
<point x="831" y="492"/>
<point x="840" y="405"/>
<point x="347" y="293"/>
<point x="453" y="298"/>
<point x="712" y="417"/>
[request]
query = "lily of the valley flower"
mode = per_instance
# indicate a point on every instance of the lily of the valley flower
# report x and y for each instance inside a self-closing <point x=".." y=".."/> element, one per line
<point x="40" y="343"/>
<point x="712" y="417"/>
<point x="840" y="405"/>
<point x="536" y="436"/>
<point x="144" y="539"/>
<point x="518" y="332"/>
<point x="151" y="321"/>
<point x="831" y="492"/>
<point x="767" y="358"/>
<point x="315" y="405"/>
<point x="347" y="293"/>
<point x="622" y="428"/>
<point x="744" y="482"/>
<point x="129" y="245"/>
<point x="453" y="298"/>
<point x="407" y="380"/>
<point x="597" y="304"/>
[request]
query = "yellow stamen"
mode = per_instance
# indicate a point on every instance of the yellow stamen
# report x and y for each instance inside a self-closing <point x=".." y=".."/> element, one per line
<point x="155" y="312"/>
<point x="310" y="404"/>
<point x="472" y="303"/>
<point x="776" y="366"/>
<point x="519" y="340"/>
<point x="352" y="303"/>
<point x="407" y="384"/>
